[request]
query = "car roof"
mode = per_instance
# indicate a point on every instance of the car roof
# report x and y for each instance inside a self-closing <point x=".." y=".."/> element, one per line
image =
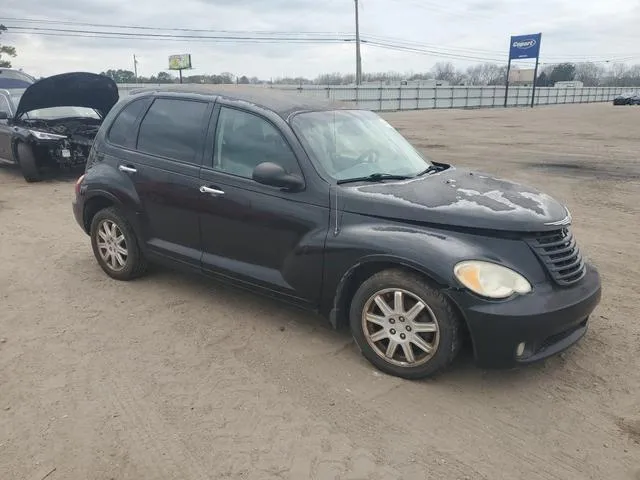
<point x="282" y="102"/>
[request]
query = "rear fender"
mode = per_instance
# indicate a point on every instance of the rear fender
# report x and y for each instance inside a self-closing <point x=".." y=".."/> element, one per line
<point x="102" y="181"/>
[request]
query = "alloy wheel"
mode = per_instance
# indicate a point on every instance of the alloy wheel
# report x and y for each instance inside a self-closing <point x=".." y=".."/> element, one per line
<point x="112" y="245"/>
<point x="400" y="327"/>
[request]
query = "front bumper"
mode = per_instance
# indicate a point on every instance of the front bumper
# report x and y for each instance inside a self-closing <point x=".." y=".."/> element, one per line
<point x="548" y="321"/>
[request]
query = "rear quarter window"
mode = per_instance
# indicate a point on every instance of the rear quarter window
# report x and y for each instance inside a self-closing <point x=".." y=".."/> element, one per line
<point x="174" y="128"/>
<point x="122" y="131"/>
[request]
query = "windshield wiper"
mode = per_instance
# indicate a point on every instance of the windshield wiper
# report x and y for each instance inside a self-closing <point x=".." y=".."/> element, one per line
<point x="374" y="177"/>
<point x="429" y="169"/>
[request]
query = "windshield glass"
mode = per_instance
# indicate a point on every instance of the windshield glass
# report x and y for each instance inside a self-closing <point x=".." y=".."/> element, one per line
<point x="55" y="112"/>
<point x="357" y="143"/>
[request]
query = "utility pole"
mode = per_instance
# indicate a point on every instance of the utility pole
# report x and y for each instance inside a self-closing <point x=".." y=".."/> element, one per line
<point x="135" y="67"/>
<point x="358" y="57"/>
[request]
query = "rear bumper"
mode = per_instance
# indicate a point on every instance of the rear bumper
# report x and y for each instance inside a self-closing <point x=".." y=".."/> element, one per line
<point x="548" y="321"/>
<point x="77" y="208"/>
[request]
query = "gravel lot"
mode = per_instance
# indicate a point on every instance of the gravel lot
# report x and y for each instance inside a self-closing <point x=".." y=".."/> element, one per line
<point x="175" y="377"/>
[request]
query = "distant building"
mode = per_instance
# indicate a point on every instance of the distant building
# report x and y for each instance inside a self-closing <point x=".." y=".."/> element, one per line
<point x="569" y="84"/>
<point x="426" y="83"/>
<point x="408" y="83"/>
<point x="521" y="77"/>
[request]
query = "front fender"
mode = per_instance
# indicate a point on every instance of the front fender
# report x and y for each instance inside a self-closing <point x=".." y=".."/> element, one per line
<point x="373" y="246"/>
<point x="363" y="246"/>
<point x="19" y="135"/>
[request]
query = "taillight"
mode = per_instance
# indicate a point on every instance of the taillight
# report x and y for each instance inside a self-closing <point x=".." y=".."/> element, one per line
<point x="78" y="184"/>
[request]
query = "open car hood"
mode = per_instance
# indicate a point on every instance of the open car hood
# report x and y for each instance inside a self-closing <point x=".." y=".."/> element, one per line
<point x="76" y="89"/>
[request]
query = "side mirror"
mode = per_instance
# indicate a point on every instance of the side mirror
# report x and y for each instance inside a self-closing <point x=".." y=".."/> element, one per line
<point x="272" y="174"/>
<point x="4" y="115"/>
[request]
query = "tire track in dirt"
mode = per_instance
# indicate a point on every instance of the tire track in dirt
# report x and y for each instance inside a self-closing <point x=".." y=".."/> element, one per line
<point x="154" y="445"/>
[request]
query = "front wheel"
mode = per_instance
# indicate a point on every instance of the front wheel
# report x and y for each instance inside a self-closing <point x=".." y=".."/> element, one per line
<point x="404" y="326"/>
<point x="28" y="163"/>
<point x="115" y="245"/>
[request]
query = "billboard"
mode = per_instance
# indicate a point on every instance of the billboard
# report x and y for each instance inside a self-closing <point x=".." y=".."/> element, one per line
<point x="525" y="46"/>
<point x="180" y="62"/>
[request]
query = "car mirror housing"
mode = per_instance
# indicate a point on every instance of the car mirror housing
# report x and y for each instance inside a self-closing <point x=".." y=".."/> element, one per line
<point x="268" y="173"/>
<point x="4" y="115"/>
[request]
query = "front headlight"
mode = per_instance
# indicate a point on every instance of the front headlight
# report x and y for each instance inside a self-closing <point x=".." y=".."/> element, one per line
<point x="46" y="136"/>
<point x="490" y="279"/>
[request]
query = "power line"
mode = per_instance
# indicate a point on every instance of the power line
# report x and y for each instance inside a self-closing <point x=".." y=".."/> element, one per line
<point x="421" y="51"/>
<point x="165" y="35"/>
<point x="57" y="32"/>
<point x="503" y="53"/>
<point x="195" y="40"/>
<point x="435" y="53"/>
<point x="385" y="39"/>
<point x="171" y="29"/>
<point x="389" y="43"/>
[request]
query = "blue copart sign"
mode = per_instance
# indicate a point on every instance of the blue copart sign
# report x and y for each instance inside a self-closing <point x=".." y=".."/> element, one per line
<point x="525" y="46"/>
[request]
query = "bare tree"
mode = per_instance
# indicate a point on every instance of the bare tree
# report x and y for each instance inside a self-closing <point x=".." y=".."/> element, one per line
<point x="447" y="72"/>
<point x="486" y="74"/>
<point x="589" y="74"/>
<point x="474" y="75"/>
<point x="618" y="72"/>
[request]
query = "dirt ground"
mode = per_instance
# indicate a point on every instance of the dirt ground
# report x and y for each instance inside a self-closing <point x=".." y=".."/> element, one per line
<point x="175" y="377"/>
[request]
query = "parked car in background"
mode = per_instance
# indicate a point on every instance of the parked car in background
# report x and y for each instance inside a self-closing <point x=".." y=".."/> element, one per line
<point x="11" y="78"/>
<point x="52" y="123"/>
<point x="629" y="98"/>
<point x="330" y="208"/>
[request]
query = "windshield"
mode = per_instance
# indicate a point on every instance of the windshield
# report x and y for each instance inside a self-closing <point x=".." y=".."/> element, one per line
<point x="357" y="143"/>
<point x="53" y="113"/>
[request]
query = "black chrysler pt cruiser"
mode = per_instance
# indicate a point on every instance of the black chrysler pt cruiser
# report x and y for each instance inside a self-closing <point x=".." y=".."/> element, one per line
<point x="328" y="207"/>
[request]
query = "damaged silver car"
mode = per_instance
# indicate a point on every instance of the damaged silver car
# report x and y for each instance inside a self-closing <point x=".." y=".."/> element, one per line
<point x="51" y="124"/>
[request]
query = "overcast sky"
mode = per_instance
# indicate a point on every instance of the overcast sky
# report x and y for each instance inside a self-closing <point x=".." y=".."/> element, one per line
<point x="572" y="29"/>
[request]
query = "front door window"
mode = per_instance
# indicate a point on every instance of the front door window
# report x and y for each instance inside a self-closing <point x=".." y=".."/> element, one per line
<point x="245" y="140"/>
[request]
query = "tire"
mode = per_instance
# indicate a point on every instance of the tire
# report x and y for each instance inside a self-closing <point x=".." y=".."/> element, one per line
<point x="438" y="322"/>
<point x="108" y="254"/>
<point x="28" y="164"/>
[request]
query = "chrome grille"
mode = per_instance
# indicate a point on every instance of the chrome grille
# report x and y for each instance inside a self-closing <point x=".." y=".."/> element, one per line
<point x="560" y="255"/>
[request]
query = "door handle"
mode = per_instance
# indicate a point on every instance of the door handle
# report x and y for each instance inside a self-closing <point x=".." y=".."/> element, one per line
<point x="211" y="191"/>
<point x="126" y="169"/>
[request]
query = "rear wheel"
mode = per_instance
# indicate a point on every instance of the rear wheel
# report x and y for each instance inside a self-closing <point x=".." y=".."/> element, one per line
<point x="404" y="326"/>
<point x="115" y="245"/>
<point x="28" y="163"/>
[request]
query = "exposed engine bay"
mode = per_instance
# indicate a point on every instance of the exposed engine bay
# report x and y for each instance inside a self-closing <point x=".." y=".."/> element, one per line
<point x="55" y="121"/>
<point x="67" y="152"/>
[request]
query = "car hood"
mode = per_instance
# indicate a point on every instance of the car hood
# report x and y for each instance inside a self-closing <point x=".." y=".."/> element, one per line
<point x="458" y="198"/>
<point x="76" y="89"/>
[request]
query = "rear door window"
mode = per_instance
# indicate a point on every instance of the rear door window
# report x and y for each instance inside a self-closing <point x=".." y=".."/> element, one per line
<point x="175" y="129"/>
<point x="122" y="130"/>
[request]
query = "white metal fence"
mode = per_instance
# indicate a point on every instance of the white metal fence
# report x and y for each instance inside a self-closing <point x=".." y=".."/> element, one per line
<point x="386" y="98"/>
